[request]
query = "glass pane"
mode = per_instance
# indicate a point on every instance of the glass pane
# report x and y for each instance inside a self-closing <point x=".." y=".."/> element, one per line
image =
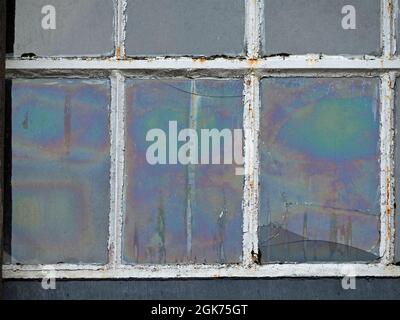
<point x="322" y="26"/>
<point x="178" y="212"/>
<point x="64" y="27"/>
<point x="185" y="27"/>
<point x="319" y="169"/>
<point x="60" y="171"/>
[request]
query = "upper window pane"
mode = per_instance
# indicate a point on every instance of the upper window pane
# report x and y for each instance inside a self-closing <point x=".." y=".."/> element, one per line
<point x="322" y="26"/>
<point x="180" y="210"/>
<point x="185" y="27"/>
<point x="60" y="172"/>
<point x="320" y="170"/>
<point x="64" y="27"/>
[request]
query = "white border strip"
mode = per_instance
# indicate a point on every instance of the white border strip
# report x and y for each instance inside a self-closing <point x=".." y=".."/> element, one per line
<point x="204" y="271"/>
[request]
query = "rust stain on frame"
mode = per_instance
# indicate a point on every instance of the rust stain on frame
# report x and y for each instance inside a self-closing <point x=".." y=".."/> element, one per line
<point x="118" y="53"/>
<point x="252" y="62"/>
<point x="201" y="60"/>
<point x="388" y="208"/>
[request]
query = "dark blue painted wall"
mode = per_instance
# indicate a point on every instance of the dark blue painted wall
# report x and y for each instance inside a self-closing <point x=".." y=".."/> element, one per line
<point x="206" y="289"/>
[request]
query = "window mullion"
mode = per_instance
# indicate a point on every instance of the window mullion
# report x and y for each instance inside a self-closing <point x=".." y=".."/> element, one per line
<point x="389" y="8"/>
<point x="387" y="168"/>
<point x="117" y="167"/>
<point x="120" y="24"/>
<point x="388" y="40"/>
<point x="253" y="27"/>
<point x="251" y="159"/>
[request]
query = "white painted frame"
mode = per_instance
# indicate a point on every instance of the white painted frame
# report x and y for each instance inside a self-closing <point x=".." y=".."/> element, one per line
<point x="252" y="68"/>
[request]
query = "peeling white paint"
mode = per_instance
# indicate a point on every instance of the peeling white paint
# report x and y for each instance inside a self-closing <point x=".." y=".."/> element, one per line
<point x="120" y="33"/>
<point x="251" y="125"/>
<point x="387" y="168"/>
<point x="389" y="11"/>
<point x="117" y="119"/>
<point x="278" y="63"/>
<point x="203" y="271"/>
<point x="388" y="41"/>
<point x="253" y="28"/>
<point x="394" y="35"/>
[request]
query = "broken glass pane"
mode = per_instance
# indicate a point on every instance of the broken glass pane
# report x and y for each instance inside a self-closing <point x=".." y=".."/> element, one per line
<point x="60" y="171"/>
<point x="178" y="211"/>
<point x="64" y="27"/>
<point x="185" y="27"/>
<point x="322" y="26"/>
<point x="320" y="170"/>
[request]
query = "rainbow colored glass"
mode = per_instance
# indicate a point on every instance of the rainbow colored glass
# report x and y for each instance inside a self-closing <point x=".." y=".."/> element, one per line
<point x="60" y="171"/>
<point x="179" y="213"/>
<point x="319" y="169"/>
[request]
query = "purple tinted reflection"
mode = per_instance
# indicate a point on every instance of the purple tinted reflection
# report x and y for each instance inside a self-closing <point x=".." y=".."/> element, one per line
<point x="319" y="169"/>
<point x="60" y="171"/>
<point x="181" y="213"/>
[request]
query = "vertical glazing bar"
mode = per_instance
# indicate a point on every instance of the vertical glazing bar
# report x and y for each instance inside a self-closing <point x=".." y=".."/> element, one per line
<point x="387" y="168"/>
<point x="396" y="235"/>
<point x="251" y="124"/>
<point x="395" y="29"/>
<point x="388" y="40"/>
<point x="117" y="167"/>
<point x="251" y="131"/>
<point x="253" y="28"/>
<point x="191" y="179"/>
<point x="120" y="22"/>
<point x="112" y="219"/>
<point x="117" y="141"/>
<point x="387" y="135"/>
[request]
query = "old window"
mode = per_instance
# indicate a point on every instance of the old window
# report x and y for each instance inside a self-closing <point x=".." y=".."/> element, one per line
<point x="201" y="138"/>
